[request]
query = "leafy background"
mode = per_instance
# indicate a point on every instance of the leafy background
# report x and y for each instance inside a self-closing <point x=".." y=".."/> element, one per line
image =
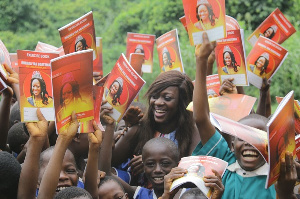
<point x="24" y="23"/>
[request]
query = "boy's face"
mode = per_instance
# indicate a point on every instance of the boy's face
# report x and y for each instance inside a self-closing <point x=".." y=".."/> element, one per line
<point x="158" y="162"/>
<point x="68" y="174"/>
<point x="111" y="190"/>
<point x="247" y="156"/>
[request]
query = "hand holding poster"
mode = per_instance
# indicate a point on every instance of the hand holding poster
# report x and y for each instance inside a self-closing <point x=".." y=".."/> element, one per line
<point x="35" y="85"/>
<point x="73" y="90"/>
<point x="168" y="50"/>
<point x="205" y="15"/>
<point x="121" y="87"/>
<point x="275" y="27"/>
<point x="264" y="60"/>
<point x="141" y="43"/>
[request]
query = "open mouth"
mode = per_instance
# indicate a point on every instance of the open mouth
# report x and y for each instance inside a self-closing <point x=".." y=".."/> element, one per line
<point x="159" y="113"/>
<point x="250" y="155"/>
<point x="158" y="180"/>
<point x="58" y="189"/>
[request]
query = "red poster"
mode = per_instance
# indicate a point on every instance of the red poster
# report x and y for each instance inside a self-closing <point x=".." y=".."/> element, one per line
<point x="121" y="87"/>
<point x="168" y="50"/>
<point x="72" y="78"/>
<point x="4" y="59"/>
<point x="231" y="23"/>
<point x="275" y="27"/>
<point x="35" y="84"/>
<point x="141" y="43"/>
<point x="205" y="16"/>
<point x="264" y="60"/>
<point x="183" y="21"/>
<point x="14" y="61"/>
<point x="230" y="58"/>
<point x="212" y="86"/>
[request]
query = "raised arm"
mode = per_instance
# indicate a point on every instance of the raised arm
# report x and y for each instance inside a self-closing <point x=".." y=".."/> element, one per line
<point x="30" y="169"/>
<point x="210" y="63"/>
<point x="95" y="140"/>
<point x="200" y="101"/>
<point x="264" y="103"/>
<point x="52" y="172"/>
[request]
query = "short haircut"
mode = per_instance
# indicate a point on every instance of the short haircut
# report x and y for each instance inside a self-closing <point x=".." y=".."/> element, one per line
<point x="72" y="193"/>
<point x="110" y="178"/>
<point x="256" y="117"/>
<point x="163" y="141"/>
<point x="10" y="170"/>
<point x="15" y="115"/>
<point x="17" y="135"/>
<point x="193" y="193"/>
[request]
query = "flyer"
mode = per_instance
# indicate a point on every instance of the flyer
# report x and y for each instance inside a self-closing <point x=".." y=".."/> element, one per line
<point x="183" y="21"/>
<point x="213" y="85"/>
<point x="35" y="84"/>
<point x="4" y="59"/>
<point x="264" y="60"/>
<point x="275" y="27"/>
<point x="121" y="87"/>
<point x="168" y="50"/>
<point x="231" y="23"/>
<point x="72" y="77"/>
<point x="205" y="16"/>
<point x="141" y="43"/>
<point x="14" y="62"/>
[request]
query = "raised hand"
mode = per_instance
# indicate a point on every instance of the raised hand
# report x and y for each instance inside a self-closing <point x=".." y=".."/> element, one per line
<point x="133" y="116"/>
<point x="95" y="138"/>
<point x="38" y="129"/>
<point x="71" y="131"/>
<point x="205" y="49"/>
<point x="228" y="87"/>
<point x="136" y="164"/>
<point x="214" y="182"/>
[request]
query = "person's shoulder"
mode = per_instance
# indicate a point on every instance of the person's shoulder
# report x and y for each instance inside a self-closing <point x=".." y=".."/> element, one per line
<point x="225" y="69"/>
<point x="143" y="193"/>
<point x="30" y="100"/>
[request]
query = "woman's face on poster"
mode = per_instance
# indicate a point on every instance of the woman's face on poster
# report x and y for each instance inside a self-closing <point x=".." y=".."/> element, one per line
<point x="203" y="12"/>
<point x="138" y="51"/>
<point x="268" y="32"/>
<point x="260" y="62"/>
<point x="79" y="46"/>
<point x="67" y="94"/>
<point x="227" y="58"/>
<point x="36" y="87"/>
<point x="114" y="88"/>
<point x="165" y="59"/>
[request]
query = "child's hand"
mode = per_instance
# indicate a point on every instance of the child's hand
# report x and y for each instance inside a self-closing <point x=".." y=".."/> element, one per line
<point x="95" y="139"/>
<point x="107" y="119"/>
<point x="69" y="134"/>
<point x="203" y="51"/>
<point x="105" y="109"/>
<point x="133" y="116"/>
<point x="228" y="87"/>
<point x="13" y="76"/>
<point x="211" y="58"/>
<point x="136" y="164"/>
<point x="214" y="182"/>
<point x="175" y="173"/>
<point x="38" y="129"/>
<point x="287" y="177"/>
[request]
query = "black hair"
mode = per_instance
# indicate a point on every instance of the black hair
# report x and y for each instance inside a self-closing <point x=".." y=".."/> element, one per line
<point x="171" y="146"/>
<point x="75" y="91"/>
<point x="169" y="57"/>
<point x="142" y="50"/>
<point x="84" y="45"/>
<point x="193" y="193"/>
<point x="264" y="66"/>
<point x="211" y="14"/>
<point x="116" y="97"/>
<point x="44" y="92"/>
<point x="273" y="33"/>
<point x="10" y="170"/>
<point x="110" y="178"/>
<point x="15" y="115"/>
<point x="17" y="136"/>
<point x="233" y="61"/>
<point x="72" y="193"/>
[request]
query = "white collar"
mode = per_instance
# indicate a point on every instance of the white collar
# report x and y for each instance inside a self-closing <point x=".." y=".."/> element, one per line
<point x="261" y="171"/>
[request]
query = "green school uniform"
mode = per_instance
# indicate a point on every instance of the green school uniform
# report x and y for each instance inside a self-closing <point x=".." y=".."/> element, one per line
<point x="244" y="186"/>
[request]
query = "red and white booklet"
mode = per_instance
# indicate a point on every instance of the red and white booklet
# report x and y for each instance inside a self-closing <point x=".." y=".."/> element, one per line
<point x="14" y="61"/>
<point x="281" y="136"/>
<point x="35" y="84"/>
<point x="205" y="16"/>
<point x="264" y="60"/>
<point x="231" y="58"/>
<point x="213" y="85"/>
<point x="257" y="138"/>
<point x="144" y="44"/>
<point x="197" y="168"/>
<point x="231" y="23"/>
<point x="168" y="50"/>
<point x="4" y="59"/>
<point x="183" y="22"/>
<point x="121" y="87"/>
<point x="72" y="77"/>
<point x="275" y="27"/>
<point x="80" y="35"/>
<point x="297" y="142"/>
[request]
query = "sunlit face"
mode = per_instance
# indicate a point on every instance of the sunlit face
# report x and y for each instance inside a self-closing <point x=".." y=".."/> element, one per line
<point x="268" y="32"/>
<point x="114" y="88"/>
<point x="166" y="59"/>
<point x="260" y="62"/>
<point x="79" y="46"/>
<point x="227" y="58"/>
<point x="36" y="87"/>
<point x="67" y="94"/>
<point x="111" y="190"/>
<point x="203" y="12"/>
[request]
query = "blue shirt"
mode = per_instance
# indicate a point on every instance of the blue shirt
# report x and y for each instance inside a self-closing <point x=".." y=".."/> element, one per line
<point x="236" y="186"/>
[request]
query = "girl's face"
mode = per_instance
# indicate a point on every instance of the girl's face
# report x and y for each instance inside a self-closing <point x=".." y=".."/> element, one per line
<point x="36" y="87"/>
<point x="268" y="32"/>
<point x="227" y="58"/>
<point x="114" y="88"/>
<point x="165" y="59"/>
<point x="67" y="94"/>
<point x="203" y="12"/>
<point x="260" y="62"/>
<point x="165" y="105"/>
<point x="79" y="46"/>
<point x="111" y="190"/>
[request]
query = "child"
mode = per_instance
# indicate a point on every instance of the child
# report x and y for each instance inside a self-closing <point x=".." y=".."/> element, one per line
<point x="110" y="188"/>
<point x="17" y="138"/>
<point x="245" y="176"/>
<point x="73" y="193"/>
